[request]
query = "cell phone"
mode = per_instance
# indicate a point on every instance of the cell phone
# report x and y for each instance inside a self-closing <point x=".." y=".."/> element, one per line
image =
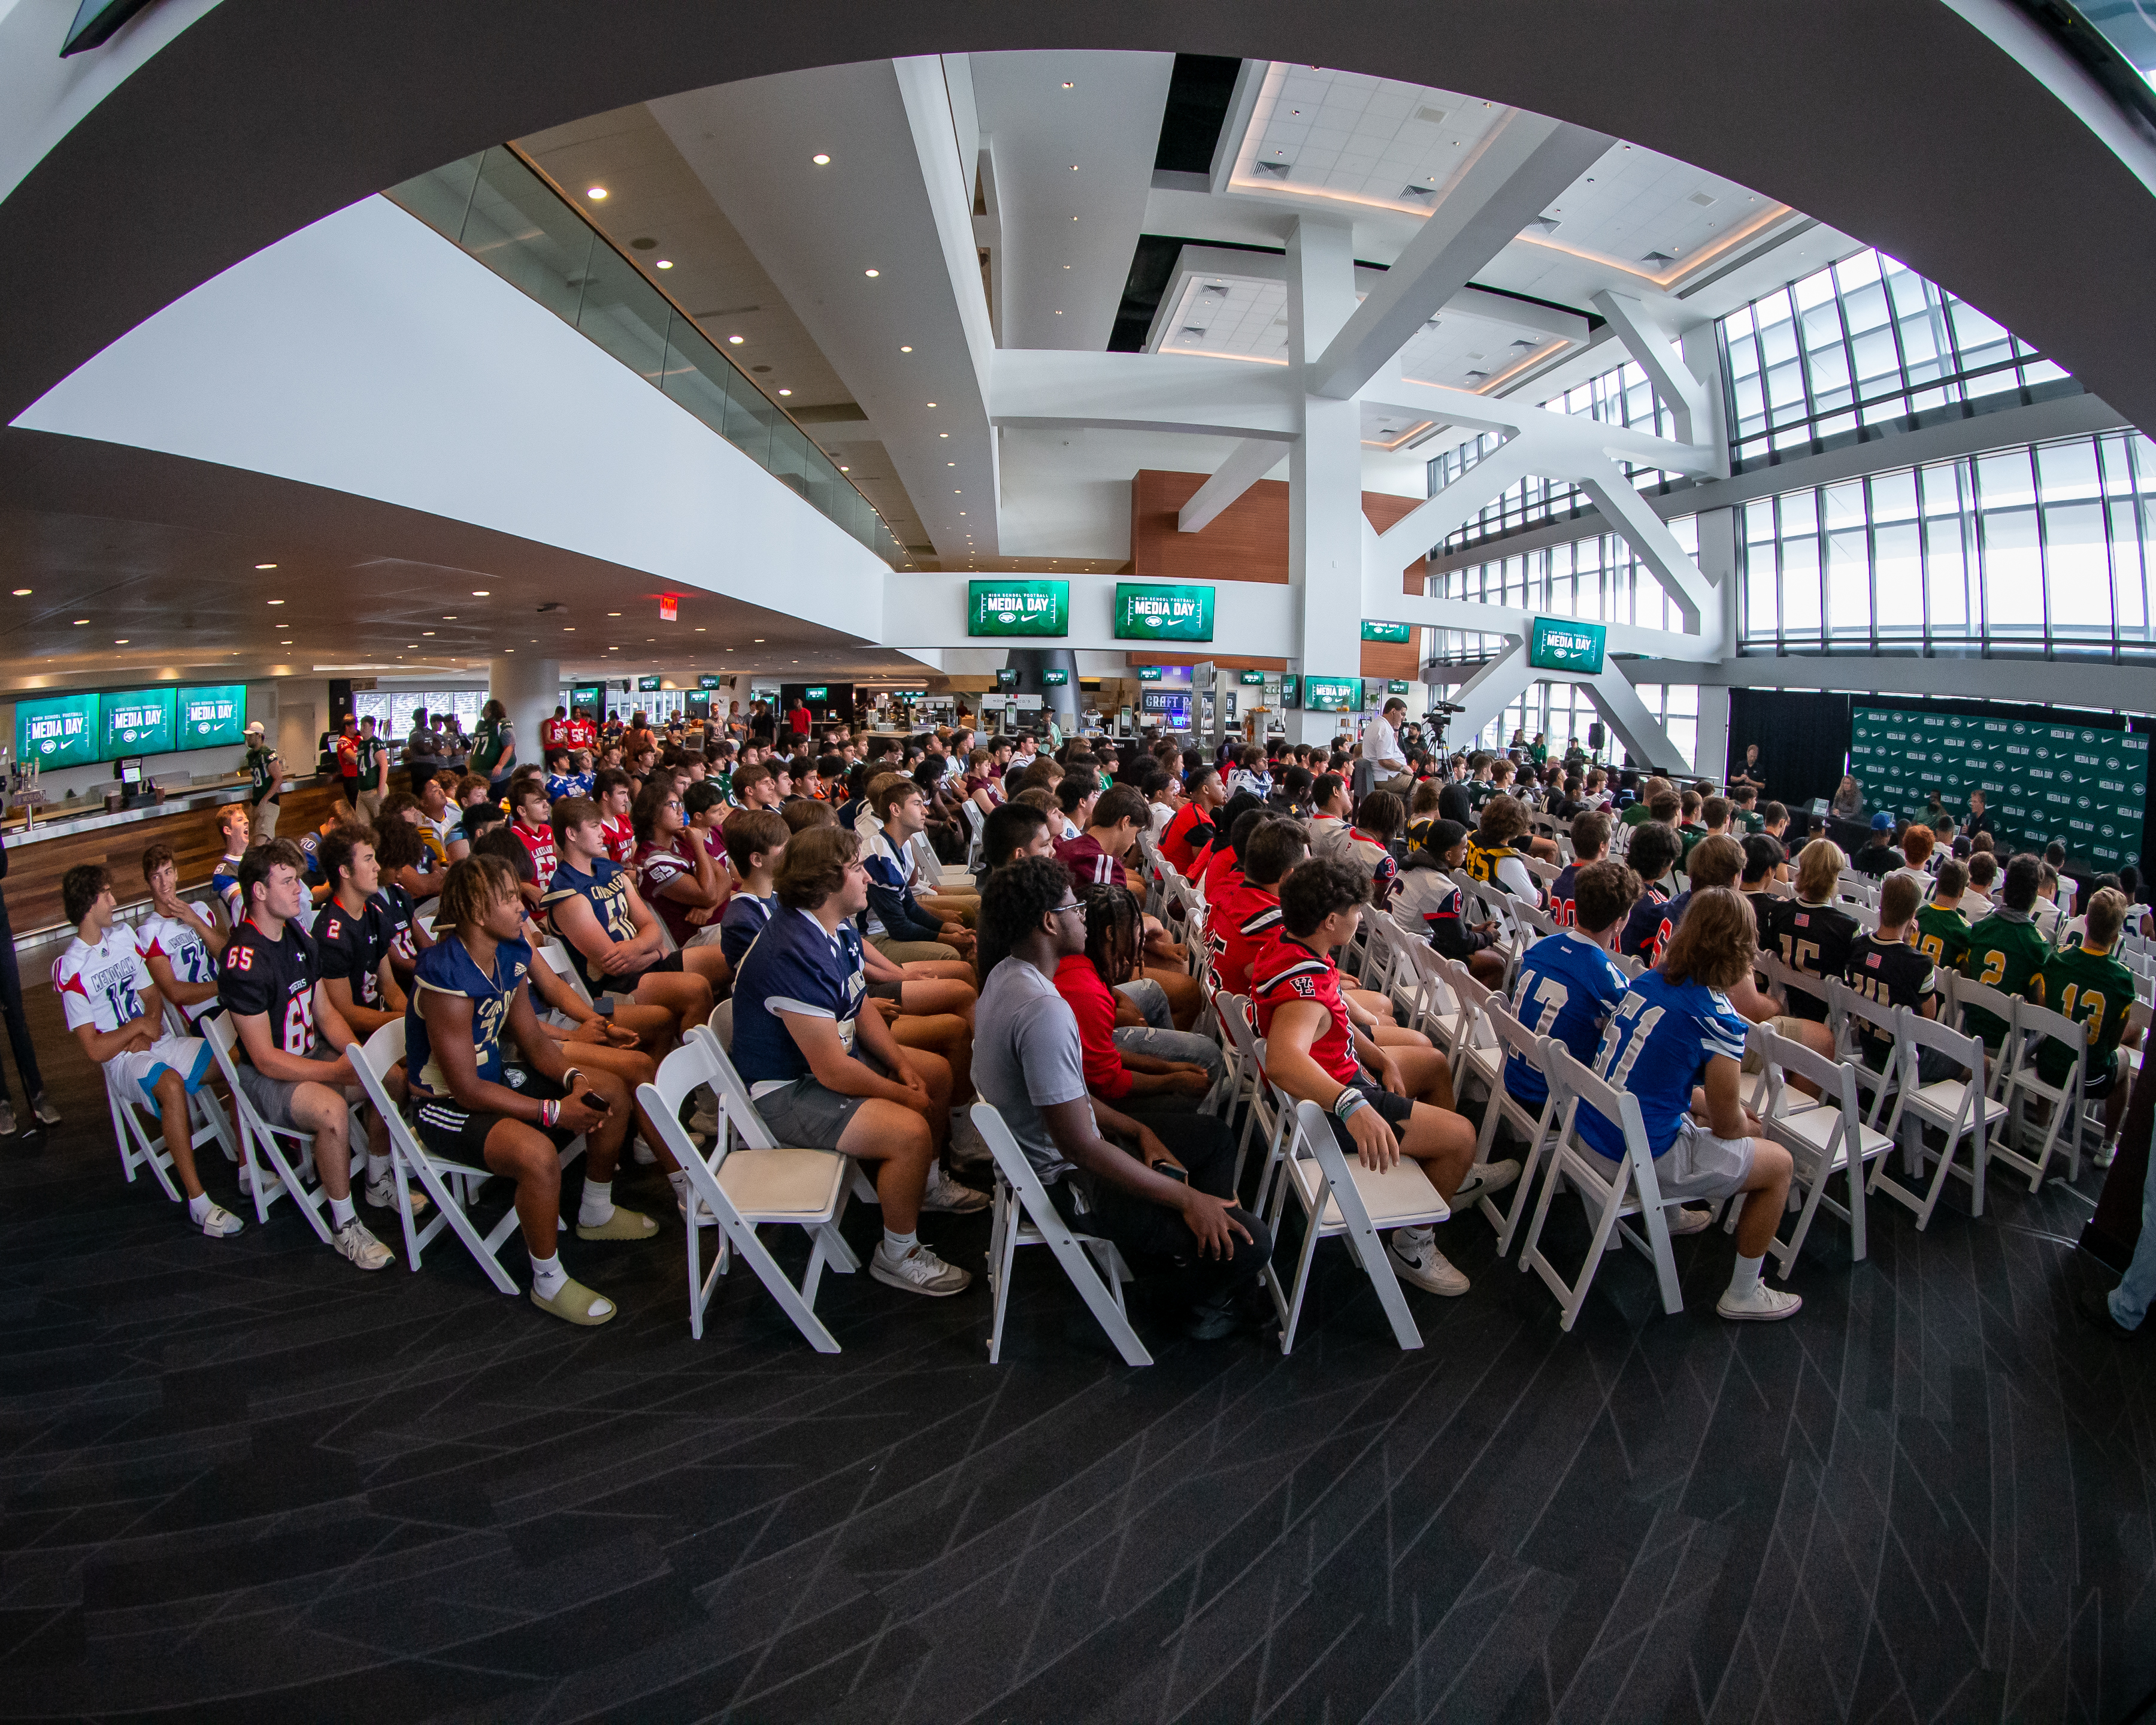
<point x="593" y="1100"/>
<point x="1172" y="1171"/>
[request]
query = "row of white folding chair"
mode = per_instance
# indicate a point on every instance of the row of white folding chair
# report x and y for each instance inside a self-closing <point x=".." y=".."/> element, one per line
<point x="138" y="1130"/>
<point x="279" y="1161"/>
<point x="1824" y="1135"/>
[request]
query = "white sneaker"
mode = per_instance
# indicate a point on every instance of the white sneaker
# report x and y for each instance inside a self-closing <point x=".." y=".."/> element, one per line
<point x="383" y="1195"/>
<point x="1762" y="1305"/>
<point x="641" y="1154"/>
<point x="919" y="1271"/>
<point x="361" y="1247"/>
<point x="1687" y="1221"/>
<point x="945" y="1194"/>
<point x="2105" y="1156"/>
<point x="1484" y="1178"/>
<point x="1422" y="1264"/>
<point x="219" y="1223"/>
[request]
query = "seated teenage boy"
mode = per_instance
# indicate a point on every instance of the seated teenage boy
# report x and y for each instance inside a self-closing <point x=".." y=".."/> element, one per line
<point x="1168" y="1214"/>
<point x="471" y="997"/>
<point x="1429" y="891"/>
<point x="1168" y="1071"/>
<point x="269" y="979"/>
<point x="110" y="1002"/>
<point x="684" y="882"/>
<point x="613" y="935"/>
<point x="1315" y="1052"/>
<point x="826" y="1076"/>
<point x="2087" y="984"/>
<point x="903" y="924"/>
<point x="1676" y="1043"/>
<point x="178" y="943"/>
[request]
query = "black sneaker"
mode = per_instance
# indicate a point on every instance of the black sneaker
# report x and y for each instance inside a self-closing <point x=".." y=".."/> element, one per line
<point x="1213" y="1321"/>
<point x="2095" y="1306"/>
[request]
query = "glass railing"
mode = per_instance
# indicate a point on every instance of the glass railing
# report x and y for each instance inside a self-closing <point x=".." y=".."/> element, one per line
<point x="496" y="207"/>
<point x="2115" y="40"/>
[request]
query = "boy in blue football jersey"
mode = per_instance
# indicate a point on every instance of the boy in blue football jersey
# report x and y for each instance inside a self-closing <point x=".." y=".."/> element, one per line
<point x="1569" y="984"/>
<point x="1677" y="1044"/>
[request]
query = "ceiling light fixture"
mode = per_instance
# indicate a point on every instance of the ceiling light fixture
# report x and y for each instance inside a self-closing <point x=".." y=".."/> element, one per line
<point x="273" y="602"/>
<point x="821" y="160"/>
<point x="596" y="193"/>
<point x="424" y="633"/>
<point x="22" y="593"/>
<point x="735" y="340"/>
<point x="943" y="434"/>
<point x="905" y="350"/>
<point x="1068" y="84"/>
<point x="122" y="642"/>
<point x="482" y="593"/>
<point x="872" y="273"/>
<point x="81" y="621"/>
<point x="786" y="392"/>
<point x="265" y="566"/>
<point x="663" y="263"/>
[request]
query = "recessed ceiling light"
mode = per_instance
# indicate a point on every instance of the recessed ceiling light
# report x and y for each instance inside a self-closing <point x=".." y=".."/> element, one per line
<point x="735" y="339"/>
<point x="480" y="593"/>
<point x="273" y="602"/>
<point x="871" y="273"/>
<point x="786" y="392"/>
<point x="821" y="160"/>
<point x="596" y="193"/>
<point x="450" y="617"/>
<point x="424" y="633"/>
<point x="700" y="628"/>
<point x="905" y="350"/>
<point x="614" y="613"/>
<point x="81" y="621"/>
<point x="758" y="640"/>
<point x="942" y="434"/>
<point x="1074" y="167"/>
<point x="265" y="566"/>
<point x="22" y="593"/>
<point x="663" y="263"/>
<point x="1068" y="84"/>
<point x="845" y="469"/>
<point x="122" y="642"/>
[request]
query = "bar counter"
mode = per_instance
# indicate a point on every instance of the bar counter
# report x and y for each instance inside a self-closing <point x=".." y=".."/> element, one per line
<point x="186" y="820"/>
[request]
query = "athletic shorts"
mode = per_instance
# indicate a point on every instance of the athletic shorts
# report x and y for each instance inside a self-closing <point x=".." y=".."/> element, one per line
<point x="459" y="1134"/>
<point x="600" y="982"/>
<point x="140" y="1068"/>
<point x="1393" y="1109"/>
<point x="887" y="991"/>
<point x="2102" y="1074"/>
<point x="272" y="1097"/>
<point x="803" y="1114"/>
<point x="1697" y="1166"/>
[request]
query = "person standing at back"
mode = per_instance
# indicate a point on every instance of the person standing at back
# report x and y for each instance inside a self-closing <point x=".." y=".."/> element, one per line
<point x="373" y="757"/>
<point x="265" y="782"/>
<point x="494" y="748"/>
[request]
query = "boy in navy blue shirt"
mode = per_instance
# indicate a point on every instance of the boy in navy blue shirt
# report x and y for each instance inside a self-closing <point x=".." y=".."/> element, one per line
<point x="827" y="1075"/>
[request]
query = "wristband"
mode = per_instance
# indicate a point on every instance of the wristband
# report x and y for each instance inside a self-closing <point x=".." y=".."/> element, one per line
<point x="569" y="1076"/>
<point x="550" y="1114"/>
<point x="1349" y="1103"/>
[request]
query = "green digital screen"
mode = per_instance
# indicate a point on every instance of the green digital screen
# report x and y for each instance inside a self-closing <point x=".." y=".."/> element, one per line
<point x="816" y="692"/>
<point x="1007" y="678"/>
<point x="138" y="722"/>
<point x="1560" y="644"/>
<point x="2040" y="781"/>
<point x="1017" y="607"/>
<point x="708" y="682"/>
<point x="1291" y="693"/>
<point x="1148" y="674"/>
<point x="1397" y="686"/>
<point x="60" y="730"/>
<point x="1151" y="611"/>
<point x="649" y="685"/>
<point x="1055" y="679"/>
<point x="586" y="697"/>
<point x="1397" y="633"/>
<point x="213" y="716"/>
<point x="1332" y="694"/>
<point x="1251" y="679"/>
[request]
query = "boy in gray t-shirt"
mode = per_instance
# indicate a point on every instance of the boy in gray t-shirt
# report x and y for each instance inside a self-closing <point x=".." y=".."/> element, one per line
<point x="1029" y="1066"/>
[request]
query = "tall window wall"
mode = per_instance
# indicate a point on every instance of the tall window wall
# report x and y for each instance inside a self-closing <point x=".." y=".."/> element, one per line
<point x="392" y="709"/>
<point x="1599" y="579"/>
<point x="2028" y="551"/>
<point x="1862" y="343"/>
<point x="1562" y="711"/>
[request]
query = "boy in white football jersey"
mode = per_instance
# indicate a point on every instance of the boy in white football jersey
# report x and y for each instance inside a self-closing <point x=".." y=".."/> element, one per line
<point x="177" y="942"/>
<point x="111" y="1004"/>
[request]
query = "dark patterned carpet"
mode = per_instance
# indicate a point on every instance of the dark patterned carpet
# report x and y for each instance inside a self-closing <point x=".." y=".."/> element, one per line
<point x="244" y="1481"/>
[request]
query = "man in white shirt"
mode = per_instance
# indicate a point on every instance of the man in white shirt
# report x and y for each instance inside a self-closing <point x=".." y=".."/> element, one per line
<point x="1380" y="748"/>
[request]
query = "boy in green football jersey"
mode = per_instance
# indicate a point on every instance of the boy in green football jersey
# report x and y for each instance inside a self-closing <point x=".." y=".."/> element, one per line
<point x="2087" y="984"/>
<point x="1941" y="930"/>
<point x="2006" y="951"/>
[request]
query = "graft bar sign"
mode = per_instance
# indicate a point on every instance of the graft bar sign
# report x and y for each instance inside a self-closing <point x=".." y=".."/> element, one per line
<point x="1150" y="611"/>
<point x="1017" y="607"/>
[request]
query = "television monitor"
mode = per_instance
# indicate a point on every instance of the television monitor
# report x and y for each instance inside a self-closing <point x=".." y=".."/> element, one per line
<point x="213" y="715"/>
<point x="59" y="731"/>
<point x="139" y="721"/>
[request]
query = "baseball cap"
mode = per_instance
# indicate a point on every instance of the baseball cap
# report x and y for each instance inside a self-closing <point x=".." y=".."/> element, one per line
<point x="1882" y="822"/>
<point x="255" y="727"/>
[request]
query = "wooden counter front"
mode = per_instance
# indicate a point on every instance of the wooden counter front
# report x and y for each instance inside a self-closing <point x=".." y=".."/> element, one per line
<point x="35" y="870"/>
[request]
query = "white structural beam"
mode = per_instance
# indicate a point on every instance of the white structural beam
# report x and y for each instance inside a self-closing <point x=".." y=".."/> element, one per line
<point x="1043" y="388"/>
<point x="1475" y="618"/>
<point x="1656" y="546"/>
<point x="1248" y="462"/>
<point x="1639" y="730"/>
<point x="1448" y="509"/>
<point x="1649" y="343"/>
<point x="1569" y="438"/>
<point x="1487" y="693"/>
<point x="1518" y="169"/>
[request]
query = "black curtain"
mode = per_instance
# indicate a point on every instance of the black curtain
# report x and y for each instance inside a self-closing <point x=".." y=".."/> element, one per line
<point x="1803" y="736"/>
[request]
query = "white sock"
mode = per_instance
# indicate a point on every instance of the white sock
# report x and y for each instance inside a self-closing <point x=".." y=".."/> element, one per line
<point x="198" y="1206"/>
<point x="897" y="1244"/>
<point x="374" y="1168"/>
<point x="598" y="1207"/>
<point x="680" y="1182"/>
<point x="1408" y="1242"/>
<point x="340" y="1210"/>
<point x="1745" y="1277"/>
<point x="547" y="1276"/>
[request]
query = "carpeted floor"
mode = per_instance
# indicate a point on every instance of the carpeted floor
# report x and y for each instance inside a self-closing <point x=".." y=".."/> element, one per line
<point x="244" y="1481"/>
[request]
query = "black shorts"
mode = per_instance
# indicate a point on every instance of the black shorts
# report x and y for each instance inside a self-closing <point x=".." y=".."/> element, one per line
<point x="887" y="991"/>
<point x="458" y="1135"/>
<point x="599" y="983"/>
<point x="1393" y="1109"/>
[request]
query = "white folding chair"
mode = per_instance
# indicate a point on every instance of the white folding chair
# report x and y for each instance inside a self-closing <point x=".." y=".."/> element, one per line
<point x="1343" y="1199"/>
<point x="1265" y="1106"/>
<point x="1824" y="1137"/>
<point x="2020" y="1084"/>
<point x="735" y="1105"/>
<point x="1632" y="1192"/>
<point x="1538" y="1129"/>
<point x="1957" y="1108"/>
<point x="283" y="1168"/>
<point x="976" y="823"/>
<point x="741" y="1189"/>
<point x="451" y="1185"/>
<point x="140" y="1146"/>
<point x="1025" y="1216"/>
<point x="1476" y="1055"/>
<point x="1434" y="1008"/>
<point x="1848" y="1013"/>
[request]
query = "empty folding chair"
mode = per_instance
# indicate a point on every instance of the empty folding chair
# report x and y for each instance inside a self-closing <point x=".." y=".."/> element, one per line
<point x="975" y="823"/>
<point x="1537" y="1127"/>
<point x="743" y="1188"/>
<point x="1475" y="1053"/>
<point x="1824" y="1137"/>
<point x="278" y="1160"/>
<point x="1025" y="1216"/>
<point x="1342" y="1199"/>
<point x="2020" y="1085"/>
<point x="1957" y="1108"/>
<point x="1632" y="1192"/>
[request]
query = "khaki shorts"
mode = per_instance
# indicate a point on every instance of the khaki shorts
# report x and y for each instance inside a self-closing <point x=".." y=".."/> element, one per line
<point x="1782" y="1026"/>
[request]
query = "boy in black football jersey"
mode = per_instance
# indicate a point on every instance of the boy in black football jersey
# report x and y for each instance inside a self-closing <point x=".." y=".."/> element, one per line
<point x="289" y="1030"/>
<point x="1766" y="867"/>
<point x="1655" y="849"/>
<point x="1885" y="967"/>
<point x="1590" y="845"/>
<point x="1813" y="931"/>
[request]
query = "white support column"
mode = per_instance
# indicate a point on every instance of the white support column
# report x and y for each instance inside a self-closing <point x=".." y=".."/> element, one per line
<point x="1711" y="760"/>
<point x="1326" y="525"/>
<point x="1248" y="462"/>
<point x="1647" y="533"/>
<point x="1626" y="714"/>
<point x="531" y="689"/>
<point x="1649" y="343"/>
<point x="1488" y="692"/>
